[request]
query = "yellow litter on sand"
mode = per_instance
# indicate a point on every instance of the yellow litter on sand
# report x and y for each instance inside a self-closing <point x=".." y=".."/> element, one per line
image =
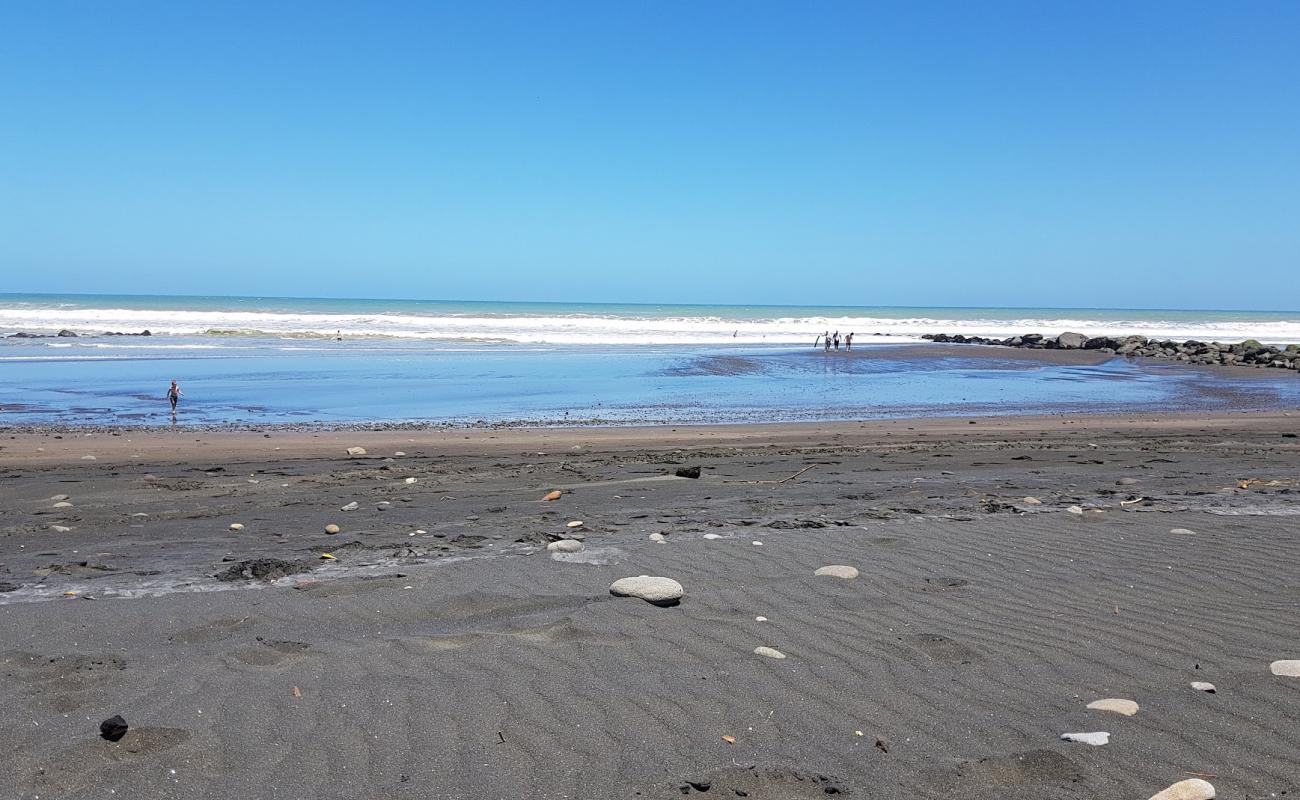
<point x="330" y="556"/>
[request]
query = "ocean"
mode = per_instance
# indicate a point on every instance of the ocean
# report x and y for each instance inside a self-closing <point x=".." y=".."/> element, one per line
<point x="259" y="361"/>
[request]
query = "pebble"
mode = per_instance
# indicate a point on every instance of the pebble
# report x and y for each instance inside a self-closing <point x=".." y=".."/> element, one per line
<point x="409" y="480"/>
<point x="565" y="546"/>
<point x="87" y="458"/>
<point x="577" y="523"/>
<point x="1126" y="707"/>
<point x="770" y="652"/>
<point x="235" y="526"/>
<point x="650" y="588"/>
<point x="399" y="454"/>
<point x="63" y="504"/>
<point x="549" y="496"/>
<point x="332" y="529"/>
<point x="60" y="528"/>
<point x="1182" y="531"/>
<point x="356" y="451"/>
<point x="1096" y="739"/>
<point x="1202" y="686"/>
<point x="760" y="619"/>
<point x="712" y="536"/>
<point x="350" y="506"/>
<point x="1286" y="669"/>
<point x="838" y="571"/>
<point x="1127" y="482"/>
<point x="1075" y="510"/>
<point x="1192" y="789"/>
<point x="1031" y="501"/>
<point x="757" y="543"/>
<point x="658" y="537"/>
<point x="56" y="498"/>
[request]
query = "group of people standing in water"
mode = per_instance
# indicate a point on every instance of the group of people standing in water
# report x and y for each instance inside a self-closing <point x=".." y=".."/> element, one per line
<point x="829" y="339"/>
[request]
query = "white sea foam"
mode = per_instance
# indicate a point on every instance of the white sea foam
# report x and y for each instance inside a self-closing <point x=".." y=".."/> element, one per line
<point x="620" y="328"/>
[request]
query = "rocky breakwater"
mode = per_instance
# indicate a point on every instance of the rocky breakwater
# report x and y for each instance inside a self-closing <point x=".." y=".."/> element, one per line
<point x="1249" y="353"/>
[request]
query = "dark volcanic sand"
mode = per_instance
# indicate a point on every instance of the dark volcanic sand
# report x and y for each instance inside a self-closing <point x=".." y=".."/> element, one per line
<point x="467" y="662"/>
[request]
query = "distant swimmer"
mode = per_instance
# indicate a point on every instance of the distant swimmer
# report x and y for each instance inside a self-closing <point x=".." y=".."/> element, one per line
<point x="173" y="396"/>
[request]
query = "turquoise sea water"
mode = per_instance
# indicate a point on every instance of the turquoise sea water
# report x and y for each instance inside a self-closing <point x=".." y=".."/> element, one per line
<point x="247" y="360"/>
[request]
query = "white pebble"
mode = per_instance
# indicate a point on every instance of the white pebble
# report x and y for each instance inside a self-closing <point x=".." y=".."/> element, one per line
<point x="1126" y="707"/>
<point x="577" y="523"/>
<point x="1182" y="531"/>
<point x="1193" y="789"/>
<point x="56" y="498"/>
<point x="760" y="619"/>
<point x="1202" y="686"/>
<point x="1286" y="669"/>
<point x="409" y="480"/>
<point x="350" y="506"/>
<point x="1096" y="739"/>
<point x="399" y="454"/>
<point x="757" y="543"/>
<point x="658" y="537"/>
<point x="60" y="528"/>
<point x="1075" y="510"/>
<point x="565" y="546"/>
<point x="1031" y="501"/>
<point x="87" y="458"/>
<point x="838" y="571"/>
<point x="62" y="504"/>
<point x="770" y="652"/>
<point x="650" y="588"/>
<point x="712" y="536"/>
<point x="235" y="526"/>
<point x="356" y="451"/>
<point x="332" y="529"/>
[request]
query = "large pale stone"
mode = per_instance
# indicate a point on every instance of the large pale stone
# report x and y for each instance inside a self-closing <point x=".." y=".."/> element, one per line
<point x="1126" y="707"/>
<point x="769" y="652"/>
<point x="356" y="451"/>
<point x="565" y="546"/>
<point x="1193" y="789"/>
<point x="838" y="571"/>
<point x="652" y="589"/>
<point x="1096" y="739"/>
<point x="1287" y="669"/>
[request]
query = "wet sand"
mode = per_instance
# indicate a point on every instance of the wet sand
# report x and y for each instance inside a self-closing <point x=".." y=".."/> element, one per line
<point x="445" y="653"/>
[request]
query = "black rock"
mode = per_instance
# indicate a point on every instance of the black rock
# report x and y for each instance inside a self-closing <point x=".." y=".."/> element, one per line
<point x="66" y="332"/>
<point x="6" y="586"/>
<point x="688" y="472"/>
<point x="113" y="728"/>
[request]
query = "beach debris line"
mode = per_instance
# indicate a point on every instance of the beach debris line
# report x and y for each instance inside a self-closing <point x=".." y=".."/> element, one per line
<point x="113" y="728"/>
<point x="653" y="589"/>
<point x="1115" y="705"/>
<point x="1190" y="789"/>
<point x="837" y="571"/>
<point x="768" y="652"/>
<point x="1096" y="738"/>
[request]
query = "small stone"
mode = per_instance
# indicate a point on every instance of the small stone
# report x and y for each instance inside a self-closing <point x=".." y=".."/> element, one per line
<point x="113" y="728"/>
<point x="1127" y="482"/>
<point x="838" y="571"/>
<point x="56" y="498"/>
<point x="577" y="523"/>
<point x="1182" y="531"/>
<point x="1031" y="501"/>
<point x="356" y="451"/>
<point x="688" y="472"/>
<point x="350" y="506"/>
<point x="399" y="454"/>
<point x="769" y="652"/>
<point x="1077" y="510"/>
<point x="62" y="504"/>
<point x="332" y="529"/>
<point x="712" y="536"/>
<point x="1095" y="739"/>
<point x="409" y="481"/>
<point x="87" y="458"/>
<point x="549" y="496"/>
<point x="757" y="543"/>
<point x="236" y="526"/>
<point x="60" y="528"/>
<point x="565" y="546"/>
<point x="1126" y="707"/>
<point x="1286" y="669"/>
<point x="658" y="537"/>
<point x="760" y="619"/>
<point x="1202" y="686"/>
<point x="1192" y="789"/>
<point x="652" y="589"/>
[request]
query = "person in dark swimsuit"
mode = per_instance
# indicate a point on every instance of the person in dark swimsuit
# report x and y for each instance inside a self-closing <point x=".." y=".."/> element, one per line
<point x="174" y="395"/>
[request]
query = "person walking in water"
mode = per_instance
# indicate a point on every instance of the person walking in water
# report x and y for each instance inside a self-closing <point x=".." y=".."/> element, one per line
<point x="848" y="342"/>
<point x="826" y="337"/>
<point x="174" y="395"/>
<point x="837" y="340"/>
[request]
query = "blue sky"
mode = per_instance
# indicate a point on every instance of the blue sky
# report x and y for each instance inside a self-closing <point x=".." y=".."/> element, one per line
<point x="1033" y="153"/>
